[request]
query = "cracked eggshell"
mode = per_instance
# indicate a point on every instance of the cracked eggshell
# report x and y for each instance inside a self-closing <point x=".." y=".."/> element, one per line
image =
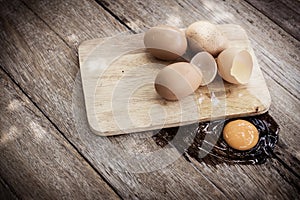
<point x="203" y="35"/>
<point x="177" y="80"/>
<point x="207" y="65"/>
<point x="235" y="65"/>
<point x="165" y="42"/>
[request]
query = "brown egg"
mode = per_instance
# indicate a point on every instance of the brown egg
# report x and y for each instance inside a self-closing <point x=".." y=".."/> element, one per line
<point x="165" y="42"/>
<point x="240" y="135"/>
<point x="177" y="80"/>
<point x="203" y="35"/>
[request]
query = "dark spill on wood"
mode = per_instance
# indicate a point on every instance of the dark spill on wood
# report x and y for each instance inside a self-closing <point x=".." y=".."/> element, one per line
<point x="197" y="140"/>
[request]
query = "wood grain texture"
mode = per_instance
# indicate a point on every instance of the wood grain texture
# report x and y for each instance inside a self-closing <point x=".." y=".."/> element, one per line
<point x="118" y="85"/>
<point x="267" y="39"/>
<point x="35" y="159"/>
<point x="48" y="76"/>
<point x="50" y="91"/>
<point x="5" y="191"/>
<point x="251" y="182"/>
<point x="71" y="20"/>
<point x="281" y="67"/>
<point x="282" y="108"/>
<point x="285" y="13"/>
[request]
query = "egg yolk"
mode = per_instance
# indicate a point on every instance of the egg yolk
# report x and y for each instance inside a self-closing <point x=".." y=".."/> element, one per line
<point x="240" y="135"/>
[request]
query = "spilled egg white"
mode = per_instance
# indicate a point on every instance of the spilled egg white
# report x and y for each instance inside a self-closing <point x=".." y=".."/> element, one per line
<point x="235" y="65"/>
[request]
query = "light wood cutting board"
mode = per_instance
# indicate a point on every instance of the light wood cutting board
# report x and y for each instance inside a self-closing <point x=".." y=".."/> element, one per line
<point x="117" y="78"/>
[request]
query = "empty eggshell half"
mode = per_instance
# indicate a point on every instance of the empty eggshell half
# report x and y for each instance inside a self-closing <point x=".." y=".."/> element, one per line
<point x="207" y="65"/>
<point x="177" y="80"/>
<point x="235" y="65"/>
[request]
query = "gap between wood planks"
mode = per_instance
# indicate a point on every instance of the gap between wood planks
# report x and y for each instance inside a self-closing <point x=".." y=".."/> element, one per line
<point x="66" y="138"/>
<point x="289" y="168"/>
<point x="278" y="11"/>
<point x="117" y="18"/>
<point x="35" y="14"/>
<point x="43" y="113"/>
<point x="54" y="125"/>
<point x="9" y="192"/>
<point x="151" y="178"/>
<point x="286" y="165"/>
<point x="254" y="3"/>
<point x="266" y="74"/>
<point x="36" y="153"/>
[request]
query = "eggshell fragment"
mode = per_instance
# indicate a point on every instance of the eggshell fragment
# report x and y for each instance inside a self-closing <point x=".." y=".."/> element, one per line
<point x="177" y="80"/>
<point x="165" y="42"/>
<point x="235" y="65"/>
<point x="203" y="35"/>
<point x="207" y="65"/>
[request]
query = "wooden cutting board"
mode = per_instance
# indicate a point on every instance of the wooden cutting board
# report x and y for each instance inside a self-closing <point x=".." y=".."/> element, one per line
<point x="118" y="75"/>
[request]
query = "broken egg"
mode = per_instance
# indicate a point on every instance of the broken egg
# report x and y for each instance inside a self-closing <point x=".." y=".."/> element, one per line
<point x="240" y="134"/>
<point x="165" y="42"/>
<point x="235" y="65"/>
<point x="177" y="80"/>
<point x="207" y="65"/>
<point x="203" y="35"/>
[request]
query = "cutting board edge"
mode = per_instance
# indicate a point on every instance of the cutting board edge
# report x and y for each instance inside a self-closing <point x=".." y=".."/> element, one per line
<point x="137" y="130"/>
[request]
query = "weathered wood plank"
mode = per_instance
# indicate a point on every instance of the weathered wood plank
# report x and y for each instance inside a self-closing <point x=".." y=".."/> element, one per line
<point x="281" y="66"/>
<point x="282" y="109"/>
<point x="151" y="179"/>
<point x="285" y="13"/>
<point x="251" y="182"/>
<point x="35" y="159"/>
<point x="78" y="20"/>
<point x="48" y="76"/>
<point x="178" y="179"/>
<point x="5" y="192"/>
<point x="284" y="105"/>
<point x="136" y="17"/>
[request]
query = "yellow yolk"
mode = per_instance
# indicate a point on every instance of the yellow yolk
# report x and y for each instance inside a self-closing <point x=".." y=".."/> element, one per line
<point x="240" y="135"/>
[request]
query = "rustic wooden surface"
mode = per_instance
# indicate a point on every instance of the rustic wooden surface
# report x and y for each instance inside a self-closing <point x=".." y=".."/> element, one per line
<point x="280" y="67"/>
<point x="285" y="13"/>
<point x="47" y="150"/>
<point x="5" y="191"/>
<point x="34" y="154"/>
<point x="128" y="82"/>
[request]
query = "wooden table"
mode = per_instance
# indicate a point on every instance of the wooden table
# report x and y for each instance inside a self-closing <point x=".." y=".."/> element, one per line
<point x="43" y="153"/>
